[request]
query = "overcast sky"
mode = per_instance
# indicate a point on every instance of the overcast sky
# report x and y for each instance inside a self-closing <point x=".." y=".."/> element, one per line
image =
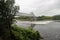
<point x="39" y="7"/>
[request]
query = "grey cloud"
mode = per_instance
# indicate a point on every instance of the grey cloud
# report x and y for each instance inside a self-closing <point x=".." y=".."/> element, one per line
<point x="41" y="7"/>
<point x="48" y="9"/>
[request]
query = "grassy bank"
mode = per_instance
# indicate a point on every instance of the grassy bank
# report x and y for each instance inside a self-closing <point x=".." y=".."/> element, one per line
<point x="25" y="34"/>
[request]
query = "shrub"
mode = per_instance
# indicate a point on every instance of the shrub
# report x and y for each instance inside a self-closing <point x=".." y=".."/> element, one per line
<point x="25" y="34"/>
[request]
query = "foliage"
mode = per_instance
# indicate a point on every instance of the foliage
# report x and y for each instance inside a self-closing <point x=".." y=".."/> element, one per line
<point x="7" y="13"/>
<point x="27" y="18"/>
<point x="39" y="18"/>
<point x="25" y="34"/>
<point x="44" y="18"/>
<point x="24" y="18"/>
<point x="56" y="17"/>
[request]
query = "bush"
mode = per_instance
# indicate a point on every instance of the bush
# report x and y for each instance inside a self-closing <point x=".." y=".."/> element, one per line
<point x="25" y="34"/>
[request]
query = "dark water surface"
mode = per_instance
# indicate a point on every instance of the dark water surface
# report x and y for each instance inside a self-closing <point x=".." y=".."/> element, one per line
<point x="49" y="31"/>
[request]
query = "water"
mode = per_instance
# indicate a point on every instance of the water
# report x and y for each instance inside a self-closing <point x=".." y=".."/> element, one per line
<point x="49" y="31"/>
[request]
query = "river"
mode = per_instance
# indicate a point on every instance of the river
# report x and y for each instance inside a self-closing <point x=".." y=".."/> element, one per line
<point x="50" y="31"/>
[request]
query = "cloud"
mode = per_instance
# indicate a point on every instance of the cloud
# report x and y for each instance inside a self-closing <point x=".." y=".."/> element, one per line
<point x="40" y="7"/>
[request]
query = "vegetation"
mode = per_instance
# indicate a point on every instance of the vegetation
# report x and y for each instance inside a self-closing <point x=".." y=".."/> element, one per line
<point x="56" y="17"/>
<point x="7" y="32"/>
<point x="7" y="13"/>
<point x="27" y="18"/>
<point x="24" y="18"/>
<point x="44" y="18"/>
<point x="25" y="34"/>
<point x="39" y="18"/>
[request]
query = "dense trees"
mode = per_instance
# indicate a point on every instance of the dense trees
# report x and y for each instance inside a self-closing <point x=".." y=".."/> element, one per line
<point x="56" y="17"/>
<point x="27" y="18"/>
<point x="7" y="13"/>
<point x="44" y="18"/>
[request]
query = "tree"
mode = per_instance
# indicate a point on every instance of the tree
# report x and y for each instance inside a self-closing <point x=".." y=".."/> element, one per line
<point x="56" y="17"/>
<point x="7" y="13"/>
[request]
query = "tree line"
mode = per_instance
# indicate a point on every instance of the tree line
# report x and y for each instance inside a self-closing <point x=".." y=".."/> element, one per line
<point x="55" y="17"/>
<point x="39" y="18"/>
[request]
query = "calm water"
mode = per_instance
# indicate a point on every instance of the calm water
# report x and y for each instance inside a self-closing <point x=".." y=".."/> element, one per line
<point x="49" y="31"/>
